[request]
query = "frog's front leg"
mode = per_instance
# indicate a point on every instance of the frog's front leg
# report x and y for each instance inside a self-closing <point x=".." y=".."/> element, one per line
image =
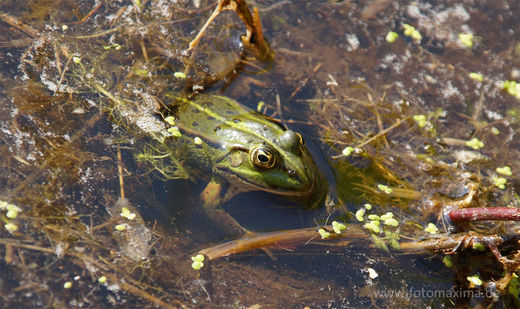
<point x="211" y="198"/>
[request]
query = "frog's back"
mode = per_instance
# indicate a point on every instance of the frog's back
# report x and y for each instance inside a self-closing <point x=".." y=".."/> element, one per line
<point x="223" y="122"/>
<point x="222" y="137"/>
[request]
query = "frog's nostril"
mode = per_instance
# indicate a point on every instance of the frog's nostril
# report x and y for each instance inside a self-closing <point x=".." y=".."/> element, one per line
<point x="292" y="173"/>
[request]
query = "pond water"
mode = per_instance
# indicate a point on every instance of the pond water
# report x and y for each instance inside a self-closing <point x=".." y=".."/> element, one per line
<point x="406" y="84"/>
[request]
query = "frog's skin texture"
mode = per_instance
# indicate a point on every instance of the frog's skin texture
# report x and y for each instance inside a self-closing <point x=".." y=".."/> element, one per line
<point x="243" y="149"/>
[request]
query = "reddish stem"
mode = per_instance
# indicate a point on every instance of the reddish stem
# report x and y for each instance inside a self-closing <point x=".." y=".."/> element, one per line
<point x="484" y="213"/>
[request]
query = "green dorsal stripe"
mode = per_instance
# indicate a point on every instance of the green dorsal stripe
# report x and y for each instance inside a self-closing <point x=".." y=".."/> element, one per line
<point x="210" y="113"/>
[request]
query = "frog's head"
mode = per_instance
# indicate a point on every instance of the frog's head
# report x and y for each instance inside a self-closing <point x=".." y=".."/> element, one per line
<point x="281" y="165"/>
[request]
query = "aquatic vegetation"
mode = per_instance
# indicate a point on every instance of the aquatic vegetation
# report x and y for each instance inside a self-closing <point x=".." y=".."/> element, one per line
<point x="391" y="36"/>
<point x="197" y="262"/>
<point x="412" y="32"/>
<point x="466" y="39"/>
<point x="475" y="143"/>
<point x="396" y="114"/>
<point x="431" y="228"/>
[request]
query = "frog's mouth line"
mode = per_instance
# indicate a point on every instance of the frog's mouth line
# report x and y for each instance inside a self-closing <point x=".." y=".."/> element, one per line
<point x="277" y="191"/>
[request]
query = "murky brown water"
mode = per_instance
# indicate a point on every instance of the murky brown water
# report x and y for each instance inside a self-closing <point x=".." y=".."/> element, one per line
<point x="339" y="81"/>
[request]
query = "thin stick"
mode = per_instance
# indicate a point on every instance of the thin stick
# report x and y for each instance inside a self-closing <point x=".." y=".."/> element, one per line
<point x="142" y="293"/>
<point x="102" y="33"/>
<point x="395" y="125"/>
<point x="484" y="214"/>
<point x="94" y="10"/>
<point x="120" y="172"/>
<point x="145" y="53"/>
<point x="279" y="239"/>
<point x="316" y="68"/>
<point x="279" y="109"/>
<point x="62" y="75"/>
<point x="220" y="7"/>
<point x="18" y="24"/>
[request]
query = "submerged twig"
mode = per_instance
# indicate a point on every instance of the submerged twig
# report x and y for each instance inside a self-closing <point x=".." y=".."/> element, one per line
<point x="484" y="213"/>
<point x="378" y="135"/>
<point x="279" y="239"/>
<point x="253" y="40"/>
<point x="18" y="24"/>
<point x="447" y="244"/>
<point x="316" y="68"/>
<point x="120" y="172"/>
<point x="94" y="10"/>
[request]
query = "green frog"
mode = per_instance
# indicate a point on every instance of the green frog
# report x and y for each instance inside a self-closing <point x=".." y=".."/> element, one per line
<point x="243" y="150"/>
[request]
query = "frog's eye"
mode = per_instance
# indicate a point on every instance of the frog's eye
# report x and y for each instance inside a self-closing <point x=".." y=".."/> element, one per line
<point x="302" y="141"/>
<point x="262" y="157"/>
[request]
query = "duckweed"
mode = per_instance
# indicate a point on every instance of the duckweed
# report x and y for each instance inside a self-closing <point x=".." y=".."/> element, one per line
<point x="385" y="189"/>
<point x="410" y="31"/>
<point x="448" y="262"/>
<point x="388" y="215"/>
<point x="512" y="87"/>
<point x="500" y="182"/>
<point x="12" y="214"/>
<point x="260" y="106"/>
<point x="373" y="226"/>
<point x="197" y="261"/>
<point x="478" y="246"/>
<point x="504" y="170"/>
<point x="420" y="120"/>
<point x="120" y="227"/>
<point x="431" y="228"/>
<point x="359" y="214"/>
<point x="11" y="227"/>
<point x="125" y="213"/>
<point x="347" y="151"/>
<point x="179" y="75"/>
<point x="475" y="280"/>
<point x="391" y="36"/>
<point x="170" y="120"/>
<point x="175" y="132"/>
<point x="476" y="76"/>
<point x="475" y="143"/>
<point x="374" y="217"/>
<point x="338" y="227"/>
<point x="466" y="39"/>
<point x="391" y="222"/>
<point x="324" y="234"/>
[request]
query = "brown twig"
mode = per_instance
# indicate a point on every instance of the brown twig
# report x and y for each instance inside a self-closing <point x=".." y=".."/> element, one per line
<point x="120" y="172"/>
<point x="298" y="237"/>
<point x="94" y="10"/>
<point x="316" y="68"/>
<point x="368" y="141"/>
<point x="18" y="24"/>
<point x="458" y="216"/>
<point x="279" y="239"/>
<point x="220" y="7"/>
<point x="254" y="40"/>
<point x="62" y="75"/>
